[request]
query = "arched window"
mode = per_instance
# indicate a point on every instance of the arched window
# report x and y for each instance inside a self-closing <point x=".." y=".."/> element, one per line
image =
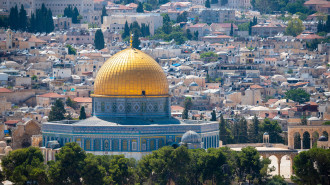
<point x="97" y="145"/>
<point x="87" y="144"/>
<point x="160" y="143"/>
<point x="152" y="144"/>
<point x="144" y="145"/>
<point x="124" y="145"/>
<point x="106" y="145"/>
<point x="115" y="145"/>
<point x="134" y="144"/>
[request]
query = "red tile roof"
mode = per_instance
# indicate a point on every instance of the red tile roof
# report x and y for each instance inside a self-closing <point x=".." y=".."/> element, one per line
<point x="200" y="25"/>
<point x="83" y="99"/>
<point x="52" y="95"/>
<point x="177" y="108"/>
<point x="256" y="87"/>
<point x="5" y="90"/>
<point x="308" y="36"/>
<point x="12" y="122"/>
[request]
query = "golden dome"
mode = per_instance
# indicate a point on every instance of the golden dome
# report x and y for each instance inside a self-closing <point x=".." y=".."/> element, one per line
<point x="129" y="73"/>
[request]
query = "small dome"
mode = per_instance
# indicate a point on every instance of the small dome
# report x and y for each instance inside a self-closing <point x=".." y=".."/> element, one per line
<point x="313" y="119"/>
<point x="323" y="138"/>
<point x="191" y="137"/>
<point x="266" y="133"/>
<point x="193" y="84"/>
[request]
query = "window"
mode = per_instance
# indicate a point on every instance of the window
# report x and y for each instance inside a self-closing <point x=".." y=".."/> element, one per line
<point x="134" y="144"/>
<point x="115" y="145"/>
<point x="144" y="145"/>
<point x="97" y="145"/>
<point x="152" y="145"/>
<point x="125" y="145"/>
<point x="87" y="144"/>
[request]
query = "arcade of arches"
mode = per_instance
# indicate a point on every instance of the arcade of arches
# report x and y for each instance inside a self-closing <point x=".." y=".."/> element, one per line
<point x="305" y="136"/>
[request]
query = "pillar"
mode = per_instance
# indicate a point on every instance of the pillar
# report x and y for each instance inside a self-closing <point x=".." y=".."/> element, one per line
<point x="279" y="158"/>
<point x="311" y="142"/>
<point x="291" y="165"/>
<point x="301" y="142"/>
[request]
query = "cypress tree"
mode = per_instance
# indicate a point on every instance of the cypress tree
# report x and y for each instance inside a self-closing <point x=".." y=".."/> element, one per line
<point x="22" y="19"/>
<point x="143" y="30"/>
<point x="13" y="18"/>
<point x="104" y="13"/>
<point x="126" y="31"/>
<point x="254" y="130"/>
<point x="196" y="35"/>
<point x="189" y="35"/>
<point x="82" y="113"/>
<point x="243" y="131"/>
<point x="99" y="40"/>
<point x="32" y="25"/>
<point x="148" y="30"/>
<point x="136" y="41"/>
<point x="231" y="30"/>
<point x="223" y="130"/>
<point x="207" y="4"/>
<point x="75" y="16"/>
<point x="49" y="21"/>
<point x="139" y="9"/>
<point x="214" y="116"/>
<point x="187" y="106"/>
<point x="57" y="111"/>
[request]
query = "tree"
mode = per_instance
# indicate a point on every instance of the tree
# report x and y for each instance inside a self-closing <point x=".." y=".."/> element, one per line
<point x="126" y="32"/>
<point x="57" y="111"/>
<point x="209" y="56"/>
<point x="214" y="116"/>
<point x="207" y="4"/>
<point x="139" y="8"/>
<point x="243" y="135"/>
<point x="182" y="17"/>
<point x="274" y="130"/>
<point x="67" y="169"/>
<point x="295" y="27"/>
<point x="231" y="30"/>
<point x="297" y="95"/>
<point x="32" y="25"/>
<point x="71" y="50"/>
<point x="225" y="134"/>
<point x="167" y="25"/>
<point x="93" y="172"/>
<point x="196" y="34"/>
<point x="23" y="21"/>
<point x="188" y="34"/>
<point x="304" y="119"/>
<point x="254" y="130"/>
<point x="25" y="165"/>
<point x="49" y="23"/>
<point x="82" y="113"/>
<point x="71" y="103"/>
<point x="104" y="13"/>
<point x="187" y="107"/>
<point x="136" y="41"/>
<point x="312" y="167"/>
<point x="99" y="40"/>
<point x="14" y="18"/>
<point x="250" y="167"/>
<point x="75" y="16"/>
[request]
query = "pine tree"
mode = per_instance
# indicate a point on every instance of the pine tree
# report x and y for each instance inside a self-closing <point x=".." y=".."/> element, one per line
<point x="13" y="18"/>
<point x="254" y="130"/>
<point x="82" y="113"/>
<point x="139" y="9"/>
<point x="57" y="111"/>
<point x="207" y="4"/>
<point x="22" y="19"/>
<point x="187" y="106"/>
<point x="136" y="41"/>
<point x="231" y="30"/>
<point x="104" y="13"/>
<point x="49" y="21"/>
<point x="126" y="31"/>
<point x="99" y="40"/>
<point x="189" y="35"/>
<point x="223" y="130"/>
<point x="32" y="25"/>
<point x="214" y="116"/>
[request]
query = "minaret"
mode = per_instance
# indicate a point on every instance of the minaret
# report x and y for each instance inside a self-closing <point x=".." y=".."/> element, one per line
<point x="9" y="39"/>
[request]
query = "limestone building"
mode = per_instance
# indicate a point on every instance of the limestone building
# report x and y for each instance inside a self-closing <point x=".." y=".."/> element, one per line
<point x="132" y="112"/>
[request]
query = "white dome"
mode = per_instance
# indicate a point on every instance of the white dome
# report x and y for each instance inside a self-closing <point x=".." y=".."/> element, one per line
<point x="191" y="137"/>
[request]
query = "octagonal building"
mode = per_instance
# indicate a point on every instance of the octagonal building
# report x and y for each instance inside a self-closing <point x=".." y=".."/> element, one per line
<point x="131" y="112"/>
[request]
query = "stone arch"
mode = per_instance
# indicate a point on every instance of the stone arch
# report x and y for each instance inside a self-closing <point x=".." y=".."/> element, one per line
<point x="274" y="164"/>
<point x="285" y="166"/>
<point x="326" y="134"/>
<point x="306" y="140"/>
<point x="315" y="136"/>
<point x="297" y="140"/>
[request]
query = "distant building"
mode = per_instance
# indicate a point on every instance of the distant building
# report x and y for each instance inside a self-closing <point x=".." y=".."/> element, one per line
<point x="268" y="29"/>
<point x="210" y="16"/>
<point x="116" y="23"/>
<point x="239" y="4"/>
